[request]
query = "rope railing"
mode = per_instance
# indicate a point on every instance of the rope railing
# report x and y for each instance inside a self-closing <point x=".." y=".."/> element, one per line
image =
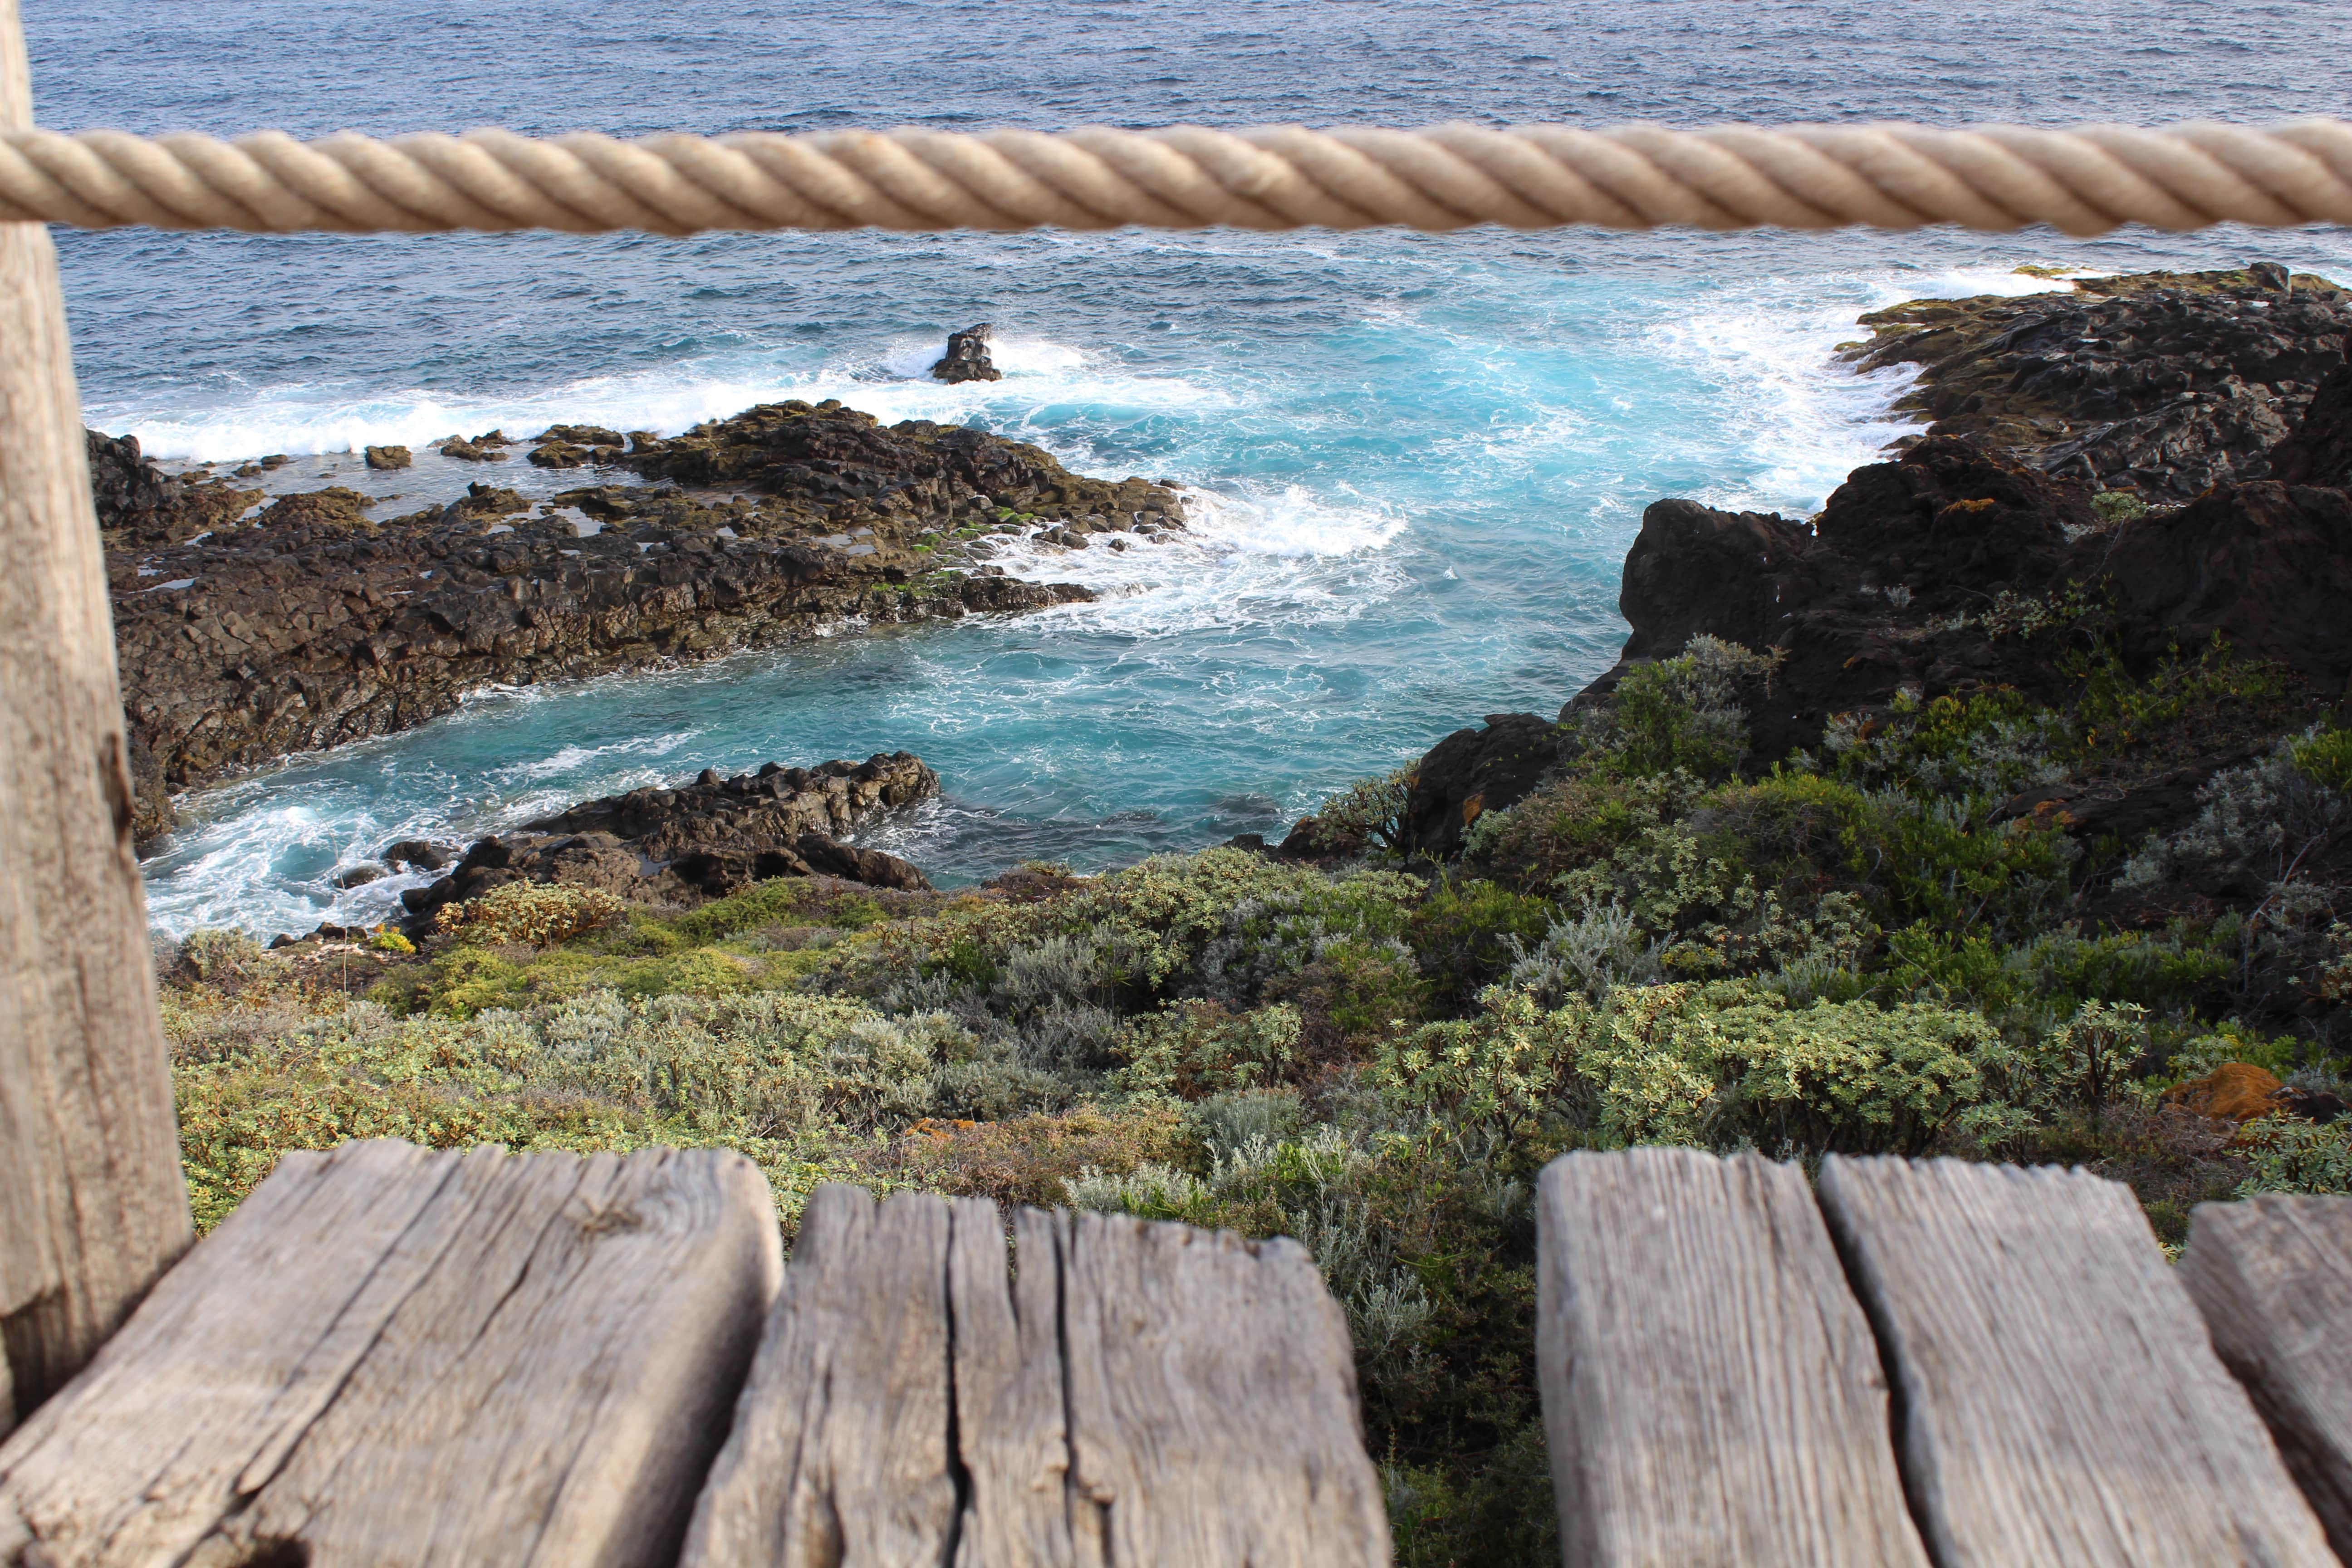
<point x="2085" y="180"/>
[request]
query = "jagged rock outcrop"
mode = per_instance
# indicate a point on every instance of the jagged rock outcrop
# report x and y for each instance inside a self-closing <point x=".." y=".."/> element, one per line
<point x="827" y="463"/>
<point x="2319" y="452"/>
<point x="140" y="506"/>
<point x="967" y="358"/>
<point x="1473" y="771"/>
<point x="701" y="840"/>
<point x="313" y="625"/>
<point x="1946" y="570"/>
<point x="2166" y="382"/>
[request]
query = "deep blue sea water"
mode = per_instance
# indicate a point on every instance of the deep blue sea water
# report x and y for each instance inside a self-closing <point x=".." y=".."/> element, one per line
<point x="1424" y="458"/>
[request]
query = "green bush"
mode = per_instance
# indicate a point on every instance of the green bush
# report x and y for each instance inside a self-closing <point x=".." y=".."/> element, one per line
<point x="1466" y="934"/>
<point x="1688" y="713"/>
<point x="1371" y="809"/>
<point x="1196" y="1048"/>
<point x="1718" y="1066"/>
<point x="537" y="913"/>
<point x="217" y="955"/>
<point x="2118" y="506"/>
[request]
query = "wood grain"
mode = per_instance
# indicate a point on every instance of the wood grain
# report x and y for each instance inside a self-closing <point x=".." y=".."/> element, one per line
<point x="1128" y="1393"/>
<point x="2274" y="1279"/>
<point x="1012" y="1427"/>
<point x="1211" y="1399"/>
<point x="92" y="1204"/>
<point x="387" y="1356"/>
<point x="2058" y="1399"/>
<point x="1711" y="1391"/>
<point x="840" y="1450"/>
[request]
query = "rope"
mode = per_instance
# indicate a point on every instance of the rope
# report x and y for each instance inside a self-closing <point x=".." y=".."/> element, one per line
<point x="2083" y="181"/>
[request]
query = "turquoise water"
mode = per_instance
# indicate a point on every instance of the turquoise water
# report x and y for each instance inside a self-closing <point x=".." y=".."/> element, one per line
<point x="1419" y="459"/>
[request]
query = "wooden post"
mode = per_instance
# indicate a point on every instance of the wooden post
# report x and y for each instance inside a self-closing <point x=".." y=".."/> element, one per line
<point x="92" y="1204"/>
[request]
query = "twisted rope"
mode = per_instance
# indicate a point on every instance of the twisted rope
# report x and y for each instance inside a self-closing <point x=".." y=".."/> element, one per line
<point x="2083" y="181"/>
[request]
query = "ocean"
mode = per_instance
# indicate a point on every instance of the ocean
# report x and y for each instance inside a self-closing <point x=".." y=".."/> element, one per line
<point x="1419" y="459"/>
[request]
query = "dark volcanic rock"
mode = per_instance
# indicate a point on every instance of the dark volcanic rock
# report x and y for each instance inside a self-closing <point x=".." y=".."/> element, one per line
<point x="385" y="458"/>
<point x="1928" y="573"/>
<point x="704" y="839"/>
<point x="316" y="626"/>
<point x="2266" y="566"/>
<point x="2166" y="382"/>
<point x="2320" y="451"/>
<point x="138" y="505"/>
<point x="1890" y="587"/>
<point x="967" y="357"/>
<point x="1472" y="771"/>
<point x="829" y="464"/>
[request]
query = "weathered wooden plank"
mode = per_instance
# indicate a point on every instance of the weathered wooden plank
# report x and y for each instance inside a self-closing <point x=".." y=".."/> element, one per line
<point x="1132" y="1394"/>
<point x="2058" y="1401"/>
<point x="840" y="1450"/>
<point x="92" y="1207"/>
<point x="1211" y="1399"/>
<point x="2273" y="1278"/>
<point x="1711" y="1391"/>
<point x="392" y="1356"/>
<point x="1012" y="1427"/>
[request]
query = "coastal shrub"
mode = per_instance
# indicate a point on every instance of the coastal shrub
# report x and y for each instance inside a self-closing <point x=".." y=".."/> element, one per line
<point x="2293" y="1156"/>
<point x="2324" y="756"/>
<point x="598" y="1073"/>
<point x="1151" y="1191"/>
<point x="2183" y="704"/>
<point x="1466" y="934"/>
<point x="2118" y="506"/>
<point x="1581" y="819"/>
<point x="1717" y="1066"/>
<point x="1688" y="712"/>
<point x="218" y="955"/>
<point x="1026" y="1159"/>
<point x="1989" y="743"/>
<point x="1371" y="809"/>
<point x="2266" y="817"/>
<point x="2089" y="1057"/>
<point x="539" y="914"/>
<point x="391" y="942"/>
<point x="1195" y="1048"/>
<point x="1590" y="952"/>
<point x="2053" y="973"/>
<point x="1241" y="1118"/>
<point x="1152" y="920"/>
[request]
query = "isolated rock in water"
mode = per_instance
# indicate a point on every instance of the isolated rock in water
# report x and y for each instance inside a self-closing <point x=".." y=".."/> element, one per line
<point x="1473" y="771"/>
<point x="2164" y="383"/>
<point x="704" y="839"/>
<point x="389" y="457"/>
<point x="421" y="853"/>
<point x="967" y="357"/>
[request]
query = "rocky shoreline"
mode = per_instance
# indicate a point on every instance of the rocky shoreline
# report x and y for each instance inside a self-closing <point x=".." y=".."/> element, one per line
<point x="2157" y="383"/>
<point x="1980" y="562"/>
<point x="245" y="635"/>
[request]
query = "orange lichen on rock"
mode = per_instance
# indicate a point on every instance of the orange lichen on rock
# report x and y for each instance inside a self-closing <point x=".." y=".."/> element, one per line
<point x="2239" y="1091"/>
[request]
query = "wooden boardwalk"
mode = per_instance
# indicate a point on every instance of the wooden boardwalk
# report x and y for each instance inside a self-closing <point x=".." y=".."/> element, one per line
<point x="1977" y="1366"/>
<point x="392" y="1356"/>
<point x="388" y="1355"/>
